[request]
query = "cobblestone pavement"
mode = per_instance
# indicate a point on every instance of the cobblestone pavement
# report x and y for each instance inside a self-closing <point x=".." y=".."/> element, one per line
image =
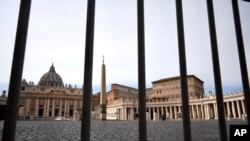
<point x="202" y="130"/>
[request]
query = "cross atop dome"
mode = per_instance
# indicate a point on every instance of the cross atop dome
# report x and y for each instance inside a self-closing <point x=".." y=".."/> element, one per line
<point x="52" y="68"/>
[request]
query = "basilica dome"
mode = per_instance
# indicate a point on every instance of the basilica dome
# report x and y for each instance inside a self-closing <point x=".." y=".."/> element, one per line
<point x="51" y="78"/>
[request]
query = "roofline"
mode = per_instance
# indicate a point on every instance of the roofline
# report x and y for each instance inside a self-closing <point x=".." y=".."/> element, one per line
<point x="176" y="77"/>
<point x="124" y="86"/>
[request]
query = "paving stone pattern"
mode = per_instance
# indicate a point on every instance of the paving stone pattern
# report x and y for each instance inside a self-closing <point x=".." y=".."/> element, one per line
<point x="202" y="130"/>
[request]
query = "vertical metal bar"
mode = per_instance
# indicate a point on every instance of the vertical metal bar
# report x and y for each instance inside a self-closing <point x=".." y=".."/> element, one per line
<point x="183" y="72"/>
<point x="88" y="67"/>
<point x="216" y="69"/>
<point x="242" y="58"/>
<point x="16" y="72"/>
<point x="141" y="72"/>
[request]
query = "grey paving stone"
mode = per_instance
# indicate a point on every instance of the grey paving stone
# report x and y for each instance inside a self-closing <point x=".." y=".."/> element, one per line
<point x="202" y="130"/>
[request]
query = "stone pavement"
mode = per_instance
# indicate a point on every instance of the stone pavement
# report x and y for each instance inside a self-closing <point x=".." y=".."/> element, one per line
<point x="202" y="130"/>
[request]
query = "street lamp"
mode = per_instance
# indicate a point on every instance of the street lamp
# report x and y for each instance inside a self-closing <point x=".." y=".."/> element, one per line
<point x="242" y="58"/>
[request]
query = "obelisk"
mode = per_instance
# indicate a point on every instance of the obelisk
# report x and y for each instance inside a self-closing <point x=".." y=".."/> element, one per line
<point x="103" y="93"/>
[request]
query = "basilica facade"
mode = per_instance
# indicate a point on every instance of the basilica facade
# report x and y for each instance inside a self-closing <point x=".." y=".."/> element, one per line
<point x="50" y="98"/>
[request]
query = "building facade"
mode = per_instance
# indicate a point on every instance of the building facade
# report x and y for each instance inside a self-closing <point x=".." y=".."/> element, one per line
<point x="164" y="99"/>
<point x="50" y="98"/>
<point x="169" y="89"/>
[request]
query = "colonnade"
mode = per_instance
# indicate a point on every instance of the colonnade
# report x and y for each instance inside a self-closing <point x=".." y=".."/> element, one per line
<point x="205" y="108"/>
<point x="50" y="107"/>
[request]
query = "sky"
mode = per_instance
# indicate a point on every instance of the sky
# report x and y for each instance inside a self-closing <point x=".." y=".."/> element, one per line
<point x="57" y="31"/>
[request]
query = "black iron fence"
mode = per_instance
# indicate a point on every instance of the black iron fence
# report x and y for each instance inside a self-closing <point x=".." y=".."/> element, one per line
<point x="19" y="53"/>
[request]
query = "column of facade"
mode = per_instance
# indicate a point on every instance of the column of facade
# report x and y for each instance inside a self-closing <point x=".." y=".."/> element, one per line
<point x="205" y="111"/>
<point x="53" y="108"/>
<point x="123" y="113"/>
<point x="202" y="111"/>
<point x="233" y="109"/>
<point x="162" y="110"/>
<point x="243" y="107"/>
<point x="193" y="114"/>
<point x="60" y="108"/>
<point x="179" y="109"/>
<point x="27" y="107"/>
<point x="149" y="111"/>
<point x="127" y="113"/>
<point x="44" y="107"/>
<point x="208" y="111"/>
<point x="74" y="106"/>
<point x="36" y="109"/>
<point x="238" y="109"/>
<point x="197" y="111"/>
<point x="215" y="111"/>
<point x="225" y="108"/>
<point x="228" y="109"/>
<point x="48" y="107"/>
<point x="171" y="112"/>
<point x="167" y="113"/>
<point x="175" y="112"/>
<point x="132" y="113"/>
<point x="190" y="112"/>
<point x="158" y="112"/>
<point x="153" y="112"/>
<point x="66" y="108"/>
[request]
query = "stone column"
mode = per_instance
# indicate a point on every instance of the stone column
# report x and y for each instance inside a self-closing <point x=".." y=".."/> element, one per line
<point x="44" y="107"/>
<point x="162" y="111"/>
<point x="131" y="113"/>
<point x="123" y="113"/>
<point x="243" y="106"/>
<point x="206" y="111"/>
<point x="238" y="109"/>
<point x="202" y="112"/>
<point x="215" y="111"/>
<point x="167" y="113"/>
<point x="171" y="112"/>
<point x="158" y="112"/>
<point x="149" y="111"/>
<point x="193" y="114"/>
<point x="27" y="107"/>
<point x="53" y="108"/>
<point x="175" y="112"/>
<point x="60" y="108"/>
<point x="37" y="104"/>
<point x="48" y="107"/>
<point x="197" y="111"/>
<point x="65" y="107"/>
<point x="228" y="109"/>
<point x="233" y="109"/>
<point x="74" y="106"/>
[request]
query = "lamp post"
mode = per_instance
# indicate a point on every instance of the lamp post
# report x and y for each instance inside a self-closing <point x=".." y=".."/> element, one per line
<point x="242" y="58"/>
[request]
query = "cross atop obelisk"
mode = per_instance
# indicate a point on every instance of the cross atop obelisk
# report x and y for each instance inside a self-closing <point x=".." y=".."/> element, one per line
<point x="102" y="59"/>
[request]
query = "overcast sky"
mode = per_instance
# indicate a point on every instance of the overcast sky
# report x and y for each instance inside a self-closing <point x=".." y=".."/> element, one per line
<point x="57" y="35"/>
